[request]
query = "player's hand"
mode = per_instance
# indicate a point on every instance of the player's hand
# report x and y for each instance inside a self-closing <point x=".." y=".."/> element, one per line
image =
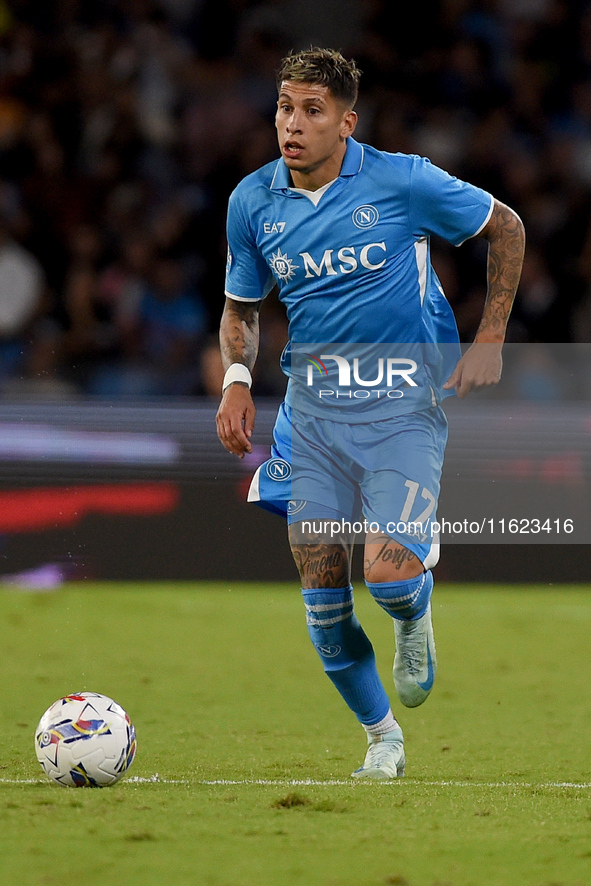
<point x="481" y="365"/>
<point x="235" y="419"/>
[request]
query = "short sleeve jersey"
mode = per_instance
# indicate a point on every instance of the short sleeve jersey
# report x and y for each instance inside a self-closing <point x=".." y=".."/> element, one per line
<point x="352" y="262"/>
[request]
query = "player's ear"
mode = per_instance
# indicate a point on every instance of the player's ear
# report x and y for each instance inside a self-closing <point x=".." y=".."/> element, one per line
<point x="349" y="123"/>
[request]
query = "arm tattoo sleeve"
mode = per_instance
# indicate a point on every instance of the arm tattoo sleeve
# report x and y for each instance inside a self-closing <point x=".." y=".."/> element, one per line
<point x="506" y="235"/>
<point x="239" y="333"/>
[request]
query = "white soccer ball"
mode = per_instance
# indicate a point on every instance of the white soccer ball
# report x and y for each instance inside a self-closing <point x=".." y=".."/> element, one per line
<point x="85" y="740"/>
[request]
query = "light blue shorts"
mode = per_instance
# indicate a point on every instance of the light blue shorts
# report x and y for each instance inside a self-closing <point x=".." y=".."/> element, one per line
<point x="381" y="476"/>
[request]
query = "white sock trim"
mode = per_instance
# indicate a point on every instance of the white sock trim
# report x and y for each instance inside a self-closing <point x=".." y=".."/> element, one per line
<point x="386" y="725"/>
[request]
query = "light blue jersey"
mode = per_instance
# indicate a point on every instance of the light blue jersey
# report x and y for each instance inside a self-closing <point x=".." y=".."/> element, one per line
<point x="352" y="264"/>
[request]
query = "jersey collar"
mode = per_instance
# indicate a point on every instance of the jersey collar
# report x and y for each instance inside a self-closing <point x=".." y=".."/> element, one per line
<point x="352" y="164"/>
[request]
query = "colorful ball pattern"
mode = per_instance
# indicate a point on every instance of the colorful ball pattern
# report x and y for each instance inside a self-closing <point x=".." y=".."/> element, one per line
<point x="85" y="740"/>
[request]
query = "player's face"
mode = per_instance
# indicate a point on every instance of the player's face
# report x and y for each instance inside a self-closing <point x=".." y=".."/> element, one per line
<point x="312" y="126"/>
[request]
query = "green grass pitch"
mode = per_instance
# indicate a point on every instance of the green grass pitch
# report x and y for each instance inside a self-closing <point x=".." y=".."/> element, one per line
<point x="245" y="750"/>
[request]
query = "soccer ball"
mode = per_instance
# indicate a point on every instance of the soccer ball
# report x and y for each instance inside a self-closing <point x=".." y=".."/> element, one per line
<point x="85" y="740"/>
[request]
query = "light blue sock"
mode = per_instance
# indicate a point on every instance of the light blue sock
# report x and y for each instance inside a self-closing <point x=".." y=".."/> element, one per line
<point x="345" y="651"/>
<point x="405" y="600"/>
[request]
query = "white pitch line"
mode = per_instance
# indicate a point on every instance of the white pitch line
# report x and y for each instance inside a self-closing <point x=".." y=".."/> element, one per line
<point x="23" y="781"/>
<point x="284" y="782"/>
<point x="327" y="782"/>
<point x="154" y="779"/>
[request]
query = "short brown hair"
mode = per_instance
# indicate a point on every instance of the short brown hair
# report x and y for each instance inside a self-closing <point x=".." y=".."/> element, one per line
<point x="323" y="67"/>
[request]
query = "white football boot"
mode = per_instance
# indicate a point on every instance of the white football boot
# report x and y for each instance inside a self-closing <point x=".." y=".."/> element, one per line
<point x="415" y="661"/>
<point x="384" y="758"/>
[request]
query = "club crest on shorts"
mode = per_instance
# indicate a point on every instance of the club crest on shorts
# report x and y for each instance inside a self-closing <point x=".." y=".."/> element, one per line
<point x="278" y="469"/>
<point x="294" y="506"/>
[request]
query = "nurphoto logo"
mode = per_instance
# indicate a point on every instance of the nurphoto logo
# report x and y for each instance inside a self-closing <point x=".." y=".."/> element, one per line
<point x="388" y="371"/>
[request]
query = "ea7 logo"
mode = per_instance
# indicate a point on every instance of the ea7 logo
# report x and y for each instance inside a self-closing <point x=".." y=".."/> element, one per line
<point x="274" y="228"/>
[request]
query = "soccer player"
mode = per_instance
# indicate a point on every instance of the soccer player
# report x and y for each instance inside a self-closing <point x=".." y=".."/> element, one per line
<point x="343" y="231"/>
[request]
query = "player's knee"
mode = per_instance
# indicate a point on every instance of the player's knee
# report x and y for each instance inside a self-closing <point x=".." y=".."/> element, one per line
<point x="404" y="599"/>
<point x="390" y="562"/>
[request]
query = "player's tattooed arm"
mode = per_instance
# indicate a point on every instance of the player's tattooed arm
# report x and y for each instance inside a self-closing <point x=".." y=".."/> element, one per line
<point x="482" y="363"/>
<point x="239" y="332"/>
<point x="239" y="343"/>
<point x="506" y="236"/>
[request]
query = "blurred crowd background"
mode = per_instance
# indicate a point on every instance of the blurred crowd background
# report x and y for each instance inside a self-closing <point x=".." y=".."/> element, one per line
<point x="125" y="124"/>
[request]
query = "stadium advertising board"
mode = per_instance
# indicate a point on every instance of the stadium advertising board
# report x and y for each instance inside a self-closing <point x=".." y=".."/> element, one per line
<point x="145" y="491"/>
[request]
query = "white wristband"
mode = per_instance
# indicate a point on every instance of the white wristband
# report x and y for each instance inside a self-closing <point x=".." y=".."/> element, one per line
<point x="237" y="372"/>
